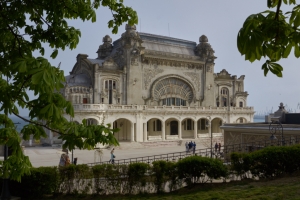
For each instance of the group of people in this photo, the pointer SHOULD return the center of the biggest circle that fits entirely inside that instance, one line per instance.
(218, 147)
(65, 159)
(190, 146)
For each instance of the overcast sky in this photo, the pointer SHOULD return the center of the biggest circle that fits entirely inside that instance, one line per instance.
(220, 21)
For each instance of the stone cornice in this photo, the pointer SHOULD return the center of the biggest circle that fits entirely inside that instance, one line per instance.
(172, 56)
(172, 62)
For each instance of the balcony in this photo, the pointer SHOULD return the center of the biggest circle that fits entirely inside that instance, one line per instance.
(134, 108)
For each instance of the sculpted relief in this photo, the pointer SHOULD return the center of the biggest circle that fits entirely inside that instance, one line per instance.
(195, 78)
(149, 74)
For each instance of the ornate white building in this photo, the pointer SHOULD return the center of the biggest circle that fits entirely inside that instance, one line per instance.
(155, 87)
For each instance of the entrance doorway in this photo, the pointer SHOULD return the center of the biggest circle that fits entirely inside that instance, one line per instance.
(173, 128)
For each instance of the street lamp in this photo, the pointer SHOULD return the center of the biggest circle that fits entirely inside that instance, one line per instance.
(275, 127)
(208, 125)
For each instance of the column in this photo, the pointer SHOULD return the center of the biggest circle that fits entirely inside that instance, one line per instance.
(163, 131)
(179, 130)
(195, 129)
(210, 134)
(145, 131)
(132, 132)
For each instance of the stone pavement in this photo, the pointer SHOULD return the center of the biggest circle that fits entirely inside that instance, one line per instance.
(49, 156)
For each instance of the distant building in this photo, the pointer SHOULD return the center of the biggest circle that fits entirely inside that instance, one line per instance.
(155, 87)
(279, 126)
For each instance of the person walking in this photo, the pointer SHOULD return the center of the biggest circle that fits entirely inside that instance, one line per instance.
(219, 147)
(112, 156)
(194, 148)
(187, 147)
(216, 147)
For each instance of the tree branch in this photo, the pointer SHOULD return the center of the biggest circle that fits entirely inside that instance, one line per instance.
(38, 124)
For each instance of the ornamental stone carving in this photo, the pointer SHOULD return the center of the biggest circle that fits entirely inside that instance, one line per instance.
(106, 48)
(195, 78)
(204, 50)
(119, 58)
(149, 74)
(171, 63)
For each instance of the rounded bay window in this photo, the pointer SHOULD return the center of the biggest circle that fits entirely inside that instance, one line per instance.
(173, 91)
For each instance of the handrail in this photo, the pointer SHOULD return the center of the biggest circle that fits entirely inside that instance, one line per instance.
(223, 154)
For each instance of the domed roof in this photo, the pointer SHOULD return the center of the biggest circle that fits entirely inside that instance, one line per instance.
(79, 80)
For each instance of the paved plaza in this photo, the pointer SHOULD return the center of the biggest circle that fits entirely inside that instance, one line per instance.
(49, 156)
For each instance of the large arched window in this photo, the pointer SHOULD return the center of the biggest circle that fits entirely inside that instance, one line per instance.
(110, 85)
(173, 91)
(224, 97)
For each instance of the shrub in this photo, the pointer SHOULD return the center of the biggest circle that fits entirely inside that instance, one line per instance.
(137, 177)
(268, 162)
(41, 181)
(160, 174)
(200, 169)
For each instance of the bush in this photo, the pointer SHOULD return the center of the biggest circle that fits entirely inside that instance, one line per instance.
(268, 162)
(160, 171)
(195, 169)
(41, 181)
(240, 164)
(108, 178)
(137, 177)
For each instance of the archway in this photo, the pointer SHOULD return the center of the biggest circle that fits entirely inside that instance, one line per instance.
(173, 128)
(202, 126)
(124, 126)
(215, 125)
(187, 128)
(241, 120)
(91, 121)
(154, 129)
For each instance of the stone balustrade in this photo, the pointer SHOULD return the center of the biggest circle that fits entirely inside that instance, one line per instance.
(154, 137)
(112, 107)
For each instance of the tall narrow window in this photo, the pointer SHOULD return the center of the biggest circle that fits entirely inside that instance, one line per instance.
(154, 125)
(110, 92)
(241, 104)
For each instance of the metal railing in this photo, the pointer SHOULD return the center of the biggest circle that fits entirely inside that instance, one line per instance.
(223, 153)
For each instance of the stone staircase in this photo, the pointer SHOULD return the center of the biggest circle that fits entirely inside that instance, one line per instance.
(153, 144)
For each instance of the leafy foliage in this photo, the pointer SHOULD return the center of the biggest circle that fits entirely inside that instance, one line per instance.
(268, 162)
(26, 26)
(272, 35)
(195, 169)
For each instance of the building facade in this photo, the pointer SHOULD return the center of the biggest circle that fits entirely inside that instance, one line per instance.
(155, 87)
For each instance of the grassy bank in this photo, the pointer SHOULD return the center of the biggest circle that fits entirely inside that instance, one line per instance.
(284, 188)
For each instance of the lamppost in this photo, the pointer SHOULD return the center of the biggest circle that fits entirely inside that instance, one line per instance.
(208, 125)
(275, 127)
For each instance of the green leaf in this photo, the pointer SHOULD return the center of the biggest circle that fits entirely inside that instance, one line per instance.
(287, 50)
(297, 51)
(54, 53)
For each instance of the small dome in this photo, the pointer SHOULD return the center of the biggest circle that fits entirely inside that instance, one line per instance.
(203, 38)
(107, 38)
(128, 27)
